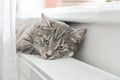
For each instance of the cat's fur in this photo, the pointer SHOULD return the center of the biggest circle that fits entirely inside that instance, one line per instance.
(48, 38)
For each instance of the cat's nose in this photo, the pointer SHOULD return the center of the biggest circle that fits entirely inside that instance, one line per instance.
(49, 53)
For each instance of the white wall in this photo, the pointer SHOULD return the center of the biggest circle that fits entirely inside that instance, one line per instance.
(101, 47)
(25, 8)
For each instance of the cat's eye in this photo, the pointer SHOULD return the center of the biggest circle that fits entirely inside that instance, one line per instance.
(60, 48)
(46, 41)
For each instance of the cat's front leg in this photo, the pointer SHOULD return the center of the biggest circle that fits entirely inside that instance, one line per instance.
(25, 47)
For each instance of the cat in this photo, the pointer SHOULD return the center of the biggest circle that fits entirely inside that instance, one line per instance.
(49, 38)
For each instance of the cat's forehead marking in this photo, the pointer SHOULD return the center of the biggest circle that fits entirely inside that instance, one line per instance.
(59, 32)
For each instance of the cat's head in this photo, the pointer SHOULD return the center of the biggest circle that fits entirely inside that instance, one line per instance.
(55, 39)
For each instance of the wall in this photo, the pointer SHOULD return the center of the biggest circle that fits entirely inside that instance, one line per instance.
(33, 6)
(101, 47)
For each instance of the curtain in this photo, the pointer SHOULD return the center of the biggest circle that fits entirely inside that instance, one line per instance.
(8, 69)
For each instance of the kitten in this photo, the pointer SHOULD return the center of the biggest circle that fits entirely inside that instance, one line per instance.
(48, 38)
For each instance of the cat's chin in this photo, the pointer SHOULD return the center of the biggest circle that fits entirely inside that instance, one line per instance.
(51, 58)
(48, 58)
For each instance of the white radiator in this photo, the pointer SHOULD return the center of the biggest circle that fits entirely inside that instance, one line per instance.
(34, 68)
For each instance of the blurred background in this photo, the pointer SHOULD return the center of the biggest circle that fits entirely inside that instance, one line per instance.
(25, 7)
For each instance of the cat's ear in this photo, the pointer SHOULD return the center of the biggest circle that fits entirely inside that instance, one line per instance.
(78, 35)
(45, 22)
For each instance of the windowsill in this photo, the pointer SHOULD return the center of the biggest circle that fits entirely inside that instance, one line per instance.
(65, 69)
(88, 13)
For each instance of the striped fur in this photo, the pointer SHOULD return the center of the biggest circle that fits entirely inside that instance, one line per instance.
(48, 38)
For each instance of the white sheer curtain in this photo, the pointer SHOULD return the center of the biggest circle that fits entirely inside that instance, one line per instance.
(8, 70)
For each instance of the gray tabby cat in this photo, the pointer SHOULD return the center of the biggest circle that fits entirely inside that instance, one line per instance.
(48, 38)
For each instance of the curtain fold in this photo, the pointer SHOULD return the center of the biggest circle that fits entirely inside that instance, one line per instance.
(1, 23)
(8, 69)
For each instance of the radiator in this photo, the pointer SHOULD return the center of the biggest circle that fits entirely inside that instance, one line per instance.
(32, 67)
